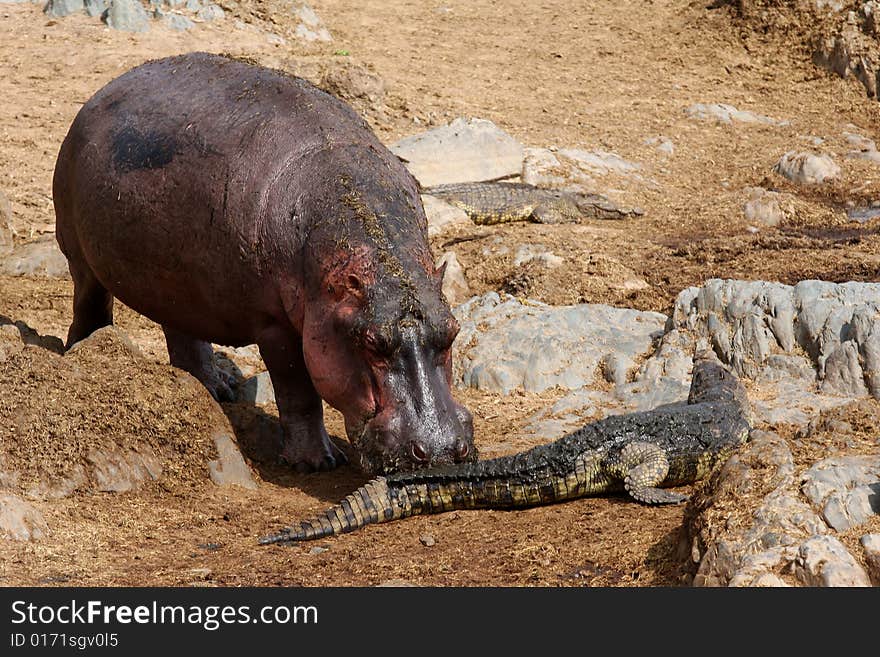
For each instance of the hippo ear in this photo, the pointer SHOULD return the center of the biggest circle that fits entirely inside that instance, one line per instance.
(440, 271)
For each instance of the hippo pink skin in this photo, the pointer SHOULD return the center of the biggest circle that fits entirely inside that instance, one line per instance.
(233, 204)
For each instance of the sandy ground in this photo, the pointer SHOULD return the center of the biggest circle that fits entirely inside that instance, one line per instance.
(605, 76)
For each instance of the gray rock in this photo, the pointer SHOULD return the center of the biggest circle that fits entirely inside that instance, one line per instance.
(574, 169)
(443, 216)
(95, 8)
(871, 545)
(126, 15)
(750, 551)
(846, 487)
(728, 114)
(257, 389)
(466, 150)
(505, 344)
(455, 286)
(662, 144)
(121, 471)
(427, 540)
(863, 214)
(765, 208)
(747, 322)
(210, 13)
(536, 253)
(61, 8)
(230, 468)
(177, 22)
(56, 488)
(42, 257)
(824, 561)
(807, 168)
(20, 520)
(193, 5)
(310, 27)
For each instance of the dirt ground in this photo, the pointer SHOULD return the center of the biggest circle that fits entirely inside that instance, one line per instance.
(606, 75)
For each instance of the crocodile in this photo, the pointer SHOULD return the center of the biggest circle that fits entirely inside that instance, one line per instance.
(642, 453)
(489, 203)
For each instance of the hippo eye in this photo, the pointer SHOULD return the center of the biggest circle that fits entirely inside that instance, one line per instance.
(377, 345)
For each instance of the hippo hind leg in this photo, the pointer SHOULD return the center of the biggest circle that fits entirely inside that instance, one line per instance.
(197, 357)
(305, 443)
(92, 303)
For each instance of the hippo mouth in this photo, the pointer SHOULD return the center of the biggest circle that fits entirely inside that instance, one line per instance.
(375, 458)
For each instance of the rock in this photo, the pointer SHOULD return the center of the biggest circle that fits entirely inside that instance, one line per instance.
(193, 5)
(597, 162)
(20, 520)
(824, 561)
(536, 253)
(95, 8)
(573, 169)
(541, 168)
(60, 487)
(863, 214)
(871, 12)
(177, 22)
(230, 468)
(505, 344)
(455, 285)
(353, 82)
(318, 550)
(844, 486)
(466, 150)
(807, 168)
(427, 540)
(748, 546)
(310, 27)
(61, 8)
(662, 144)
(210, 13)
(126, 15)
(257, 389)
(848, 53)
(871, 545)
(764, 207)
(728, 114)
(41, 257)
(119, 472)
(747, 321)
(443, 216)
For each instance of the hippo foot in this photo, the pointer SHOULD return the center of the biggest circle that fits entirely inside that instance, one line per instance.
(222, 386)
(325, 457)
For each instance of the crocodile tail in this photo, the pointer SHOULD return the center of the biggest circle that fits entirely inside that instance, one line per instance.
(371, 503)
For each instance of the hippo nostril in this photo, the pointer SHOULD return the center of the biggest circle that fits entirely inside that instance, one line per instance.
(419, 452)
(461, 450)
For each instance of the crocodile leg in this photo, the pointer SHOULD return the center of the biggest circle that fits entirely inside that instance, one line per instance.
(642, 466)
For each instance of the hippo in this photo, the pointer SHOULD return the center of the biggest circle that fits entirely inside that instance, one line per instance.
(235, 204)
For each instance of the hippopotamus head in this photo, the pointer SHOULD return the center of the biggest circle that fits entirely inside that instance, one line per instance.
(377, 339)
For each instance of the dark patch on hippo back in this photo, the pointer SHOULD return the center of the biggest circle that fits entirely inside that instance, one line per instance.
(133, 149)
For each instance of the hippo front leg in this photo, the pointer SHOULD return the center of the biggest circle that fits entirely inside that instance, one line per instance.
(305, 443)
